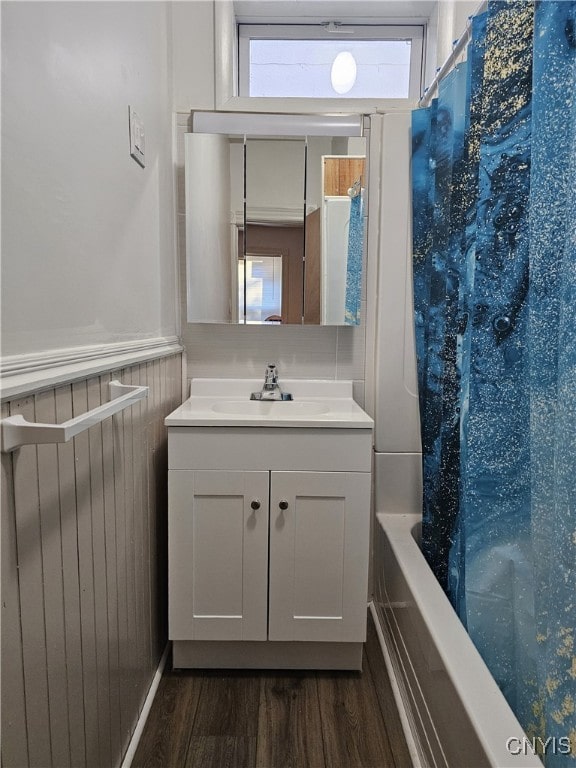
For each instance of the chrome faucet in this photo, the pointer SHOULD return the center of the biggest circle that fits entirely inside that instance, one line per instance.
(271, 390)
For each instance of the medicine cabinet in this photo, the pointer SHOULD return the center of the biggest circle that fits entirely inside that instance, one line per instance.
(275, 221)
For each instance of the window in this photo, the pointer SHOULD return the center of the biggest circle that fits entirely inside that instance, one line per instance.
(330, 61)
(260, 285)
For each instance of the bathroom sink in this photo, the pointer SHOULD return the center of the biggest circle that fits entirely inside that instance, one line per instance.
(276, 408)
(227, 403)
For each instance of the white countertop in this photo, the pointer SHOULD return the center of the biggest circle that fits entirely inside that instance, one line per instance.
(226, 403)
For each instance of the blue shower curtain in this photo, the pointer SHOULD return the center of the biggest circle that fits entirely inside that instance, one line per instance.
(494, 262)
(354, 261)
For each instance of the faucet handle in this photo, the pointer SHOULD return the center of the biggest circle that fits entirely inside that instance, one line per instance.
(271, 373)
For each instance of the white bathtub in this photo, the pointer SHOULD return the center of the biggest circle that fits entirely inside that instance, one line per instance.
(455, 713)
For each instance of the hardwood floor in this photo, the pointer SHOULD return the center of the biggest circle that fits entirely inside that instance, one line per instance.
(262, 719)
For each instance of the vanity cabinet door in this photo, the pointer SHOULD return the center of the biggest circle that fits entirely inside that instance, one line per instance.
(319, 544)
(218, 555)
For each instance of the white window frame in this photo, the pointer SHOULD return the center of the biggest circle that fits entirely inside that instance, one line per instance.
(414, 33)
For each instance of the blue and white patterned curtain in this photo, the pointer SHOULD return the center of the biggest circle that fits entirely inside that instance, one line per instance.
(494, 259)
(354, 261)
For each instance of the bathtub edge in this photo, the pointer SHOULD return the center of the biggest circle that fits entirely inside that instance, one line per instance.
(463, 674)
(395, 686)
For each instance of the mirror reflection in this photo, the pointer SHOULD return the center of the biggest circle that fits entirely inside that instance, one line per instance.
(273, 237)
(274, 229)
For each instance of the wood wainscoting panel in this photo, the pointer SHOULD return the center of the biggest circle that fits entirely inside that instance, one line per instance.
(70, 582)
(48, 492)
(14, 739)
(84, 572)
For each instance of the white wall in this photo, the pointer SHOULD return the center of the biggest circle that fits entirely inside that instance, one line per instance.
(193, 54)
(397, 460)
(452, 19)
(275, 173)
(87, 234)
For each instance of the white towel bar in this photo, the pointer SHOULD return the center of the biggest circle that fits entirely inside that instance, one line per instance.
(16, 431)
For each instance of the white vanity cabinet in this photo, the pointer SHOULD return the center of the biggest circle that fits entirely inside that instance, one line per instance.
(218, 555)
(318, 556)
(224, 527)
(268, 545)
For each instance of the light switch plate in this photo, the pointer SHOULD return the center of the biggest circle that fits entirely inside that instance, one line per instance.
(136, 127)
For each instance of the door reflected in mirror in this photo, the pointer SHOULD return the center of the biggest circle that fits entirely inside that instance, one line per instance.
(274, 229)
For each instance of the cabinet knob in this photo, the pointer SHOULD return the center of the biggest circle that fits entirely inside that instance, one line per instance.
(255, 504)
(283, 505)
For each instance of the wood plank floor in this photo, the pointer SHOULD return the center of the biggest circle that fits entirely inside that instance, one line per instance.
(263, 719)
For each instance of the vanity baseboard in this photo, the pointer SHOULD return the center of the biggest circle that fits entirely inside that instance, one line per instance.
(210, 654)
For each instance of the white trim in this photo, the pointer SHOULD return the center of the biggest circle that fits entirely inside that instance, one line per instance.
(137, 735)
(373, 250)
(25, 374)
(398, 699)
(274, 30)
(277, 125)
(294, 105)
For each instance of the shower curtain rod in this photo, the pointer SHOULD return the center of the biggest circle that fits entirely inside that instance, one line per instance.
(457, 49)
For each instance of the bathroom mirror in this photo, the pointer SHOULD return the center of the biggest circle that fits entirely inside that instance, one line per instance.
(272, 234)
